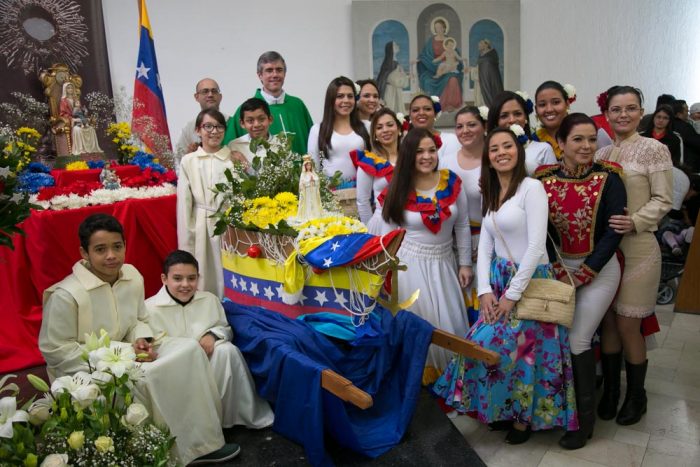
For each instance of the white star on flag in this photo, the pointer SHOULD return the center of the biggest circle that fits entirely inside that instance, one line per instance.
(254, 289)
(327, 262)
(269, 293)
(234, 283)
(142, 71)
(321, 297)
(335, 246)
(280, 290)
(244, 286)
(340, 299)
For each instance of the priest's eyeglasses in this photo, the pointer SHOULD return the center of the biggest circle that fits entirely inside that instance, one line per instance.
(212, 91)
(210, 127)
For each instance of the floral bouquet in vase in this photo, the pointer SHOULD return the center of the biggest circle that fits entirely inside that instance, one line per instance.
(89, 418)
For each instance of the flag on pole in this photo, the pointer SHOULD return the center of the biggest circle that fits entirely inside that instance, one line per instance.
(148, 114)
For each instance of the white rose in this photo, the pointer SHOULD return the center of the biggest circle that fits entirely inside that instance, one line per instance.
(135, 415)
(85, 395)
(570, 91)
(517, 130)
(55, 460)
(484, 112)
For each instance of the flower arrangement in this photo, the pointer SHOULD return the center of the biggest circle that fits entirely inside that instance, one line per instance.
(123, 139)
(265, 212)
(86, 419)
(277, 174)
(437, 107)
(101, 108)
(77, 165)
(82, 194)
(14, 205)
(602, 101)
(329, 227)
(26, 112)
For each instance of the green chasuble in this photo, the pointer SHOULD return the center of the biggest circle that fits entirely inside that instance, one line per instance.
(293, 112)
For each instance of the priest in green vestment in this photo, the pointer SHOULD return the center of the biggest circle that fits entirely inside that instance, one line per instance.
(289, 112)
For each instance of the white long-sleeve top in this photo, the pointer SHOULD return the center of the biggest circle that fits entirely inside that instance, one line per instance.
(450, 144)
(338, 158)
(470, 184)
(367, 185)
(538, 153)
(458, 222)
(522, 221)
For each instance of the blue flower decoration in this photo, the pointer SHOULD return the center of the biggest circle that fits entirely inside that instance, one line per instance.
(522, 139)
(96, 164)
(32, 182)
(37, 167)
(145, 160)
(529, 106)
(437, 107)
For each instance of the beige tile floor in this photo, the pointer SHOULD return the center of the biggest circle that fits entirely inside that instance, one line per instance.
(667, 436)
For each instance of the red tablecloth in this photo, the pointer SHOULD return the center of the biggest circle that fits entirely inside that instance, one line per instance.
(47, 254)
(66, 177)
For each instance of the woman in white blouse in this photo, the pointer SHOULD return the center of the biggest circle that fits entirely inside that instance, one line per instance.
(466, 163)
(375, 169)
(532, 386)
(509, 108)
(340, 131)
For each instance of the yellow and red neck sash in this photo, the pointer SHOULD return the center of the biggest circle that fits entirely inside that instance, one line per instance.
(435, 210)
(372, 164)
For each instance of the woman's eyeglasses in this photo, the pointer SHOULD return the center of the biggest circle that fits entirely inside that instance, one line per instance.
(210, 127)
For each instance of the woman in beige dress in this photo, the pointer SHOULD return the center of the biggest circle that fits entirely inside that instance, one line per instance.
(648, 179)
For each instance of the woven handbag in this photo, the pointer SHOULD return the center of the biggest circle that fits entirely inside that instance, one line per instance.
(548, 300)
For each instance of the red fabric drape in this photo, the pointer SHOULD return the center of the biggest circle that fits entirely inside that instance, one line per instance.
(67, 177)
(47, 254)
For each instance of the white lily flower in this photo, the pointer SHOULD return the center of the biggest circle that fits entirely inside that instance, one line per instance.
(118, 358)
(8, 415)
(55, 460)
(40, 411)
(80, 386)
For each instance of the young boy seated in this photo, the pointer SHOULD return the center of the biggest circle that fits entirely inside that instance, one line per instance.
(178, 389)
(180, 310)
(256, 119)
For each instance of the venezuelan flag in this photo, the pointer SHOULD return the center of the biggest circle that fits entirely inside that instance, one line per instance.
(149, 105)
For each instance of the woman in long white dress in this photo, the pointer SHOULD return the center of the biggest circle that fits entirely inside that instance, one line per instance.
(466, 163)
(376, 168)
(431, 205)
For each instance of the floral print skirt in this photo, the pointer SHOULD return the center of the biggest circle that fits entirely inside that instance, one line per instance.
(532, 384)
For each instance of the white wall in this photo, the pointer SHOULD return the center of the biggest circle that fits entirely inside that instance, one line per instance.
(591, 44)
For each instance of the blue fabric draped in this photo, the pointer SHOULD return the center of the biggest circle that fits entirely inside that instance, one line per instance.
(427, 69)
(286, 358)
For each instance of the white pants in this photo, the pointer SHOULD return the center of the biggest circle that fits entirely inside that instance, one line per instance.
(592, 301)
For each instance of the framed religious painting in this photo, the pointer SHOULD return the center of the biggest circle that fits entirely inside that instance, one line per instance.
(464, 52)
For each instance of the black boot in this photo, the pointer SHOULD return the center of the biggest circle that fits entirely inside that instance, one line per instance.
(635, 404)
(612, 365)
(584, 382)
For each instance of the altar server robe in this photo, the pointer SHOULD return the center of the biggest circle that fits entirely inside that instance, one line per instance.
(178, 389)
(204, 314)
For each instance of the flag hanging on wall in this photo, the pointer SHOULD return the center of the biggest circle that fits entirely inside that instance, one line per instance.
(148, 115)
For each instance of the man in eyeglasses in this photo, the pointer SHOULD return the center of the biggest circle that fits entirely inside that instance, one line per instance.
(208, 95)
(289, 113)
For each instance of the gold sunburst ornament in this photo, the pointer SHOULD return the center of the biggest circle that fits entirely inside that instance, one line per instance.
(36, 33)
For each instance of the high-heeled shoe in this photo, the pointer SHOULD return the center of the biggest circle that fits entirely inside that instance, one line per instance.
(516, 436)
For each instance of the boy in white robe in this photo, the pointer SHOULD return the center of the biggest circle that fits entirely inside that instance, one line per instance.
(256, 119)
(104, 293)
(179, 310)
